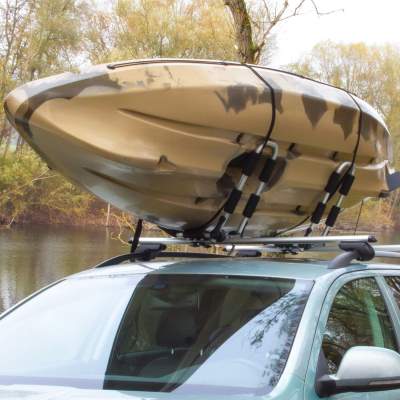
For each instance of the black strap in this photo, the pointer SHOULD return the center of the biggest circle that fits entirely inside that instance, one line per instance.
(273, 102)
(136, 236)
(358, 217)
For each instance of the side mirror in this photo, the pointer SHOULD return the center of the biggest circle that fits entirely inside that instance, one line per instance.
(363, 369)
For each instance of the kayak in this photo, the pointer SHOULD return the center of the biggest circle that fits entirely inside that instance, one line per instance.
(168, 140)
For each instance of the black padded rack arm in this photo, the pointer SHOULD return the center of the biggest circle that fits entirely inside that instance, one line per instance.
(344, 185)
(264, 177)
(331, 187)
(249, 167)
(236, 193)
(348, 179)
(344, 190)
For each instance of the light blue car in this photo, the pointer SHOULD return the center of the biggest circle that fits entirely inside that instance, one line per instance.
(234, 328)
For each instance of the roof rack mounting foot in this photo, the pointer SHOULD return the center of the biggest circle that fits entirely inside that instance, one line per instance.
(361, 251)
(147, 252)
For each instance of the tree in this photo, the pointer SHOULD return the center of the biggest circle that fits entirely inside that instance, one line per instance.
(255, 22)
(160, 28)
(38, 38)
(14, 16)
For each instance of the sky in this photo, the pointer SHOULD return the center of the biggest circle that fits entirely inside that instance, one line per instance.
(370, 21)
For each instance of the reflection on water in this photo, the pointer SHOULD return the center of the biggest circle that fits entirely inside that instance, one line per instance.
(32, 257)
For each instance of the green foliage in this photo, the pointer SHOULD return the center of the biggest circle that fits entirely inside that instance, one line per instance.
(37, 38)
(29, 191)
(160, 28)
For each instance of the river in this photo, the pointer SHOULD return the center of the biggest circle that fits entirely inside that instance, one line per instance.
(32, 257)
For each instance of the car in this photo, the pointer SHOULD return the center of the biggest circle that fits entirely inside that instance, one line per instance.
(209, 328)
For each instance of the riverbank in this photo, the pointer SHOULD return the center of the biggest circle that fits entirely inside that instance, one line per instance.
(120, 229)
(96, 214)
(374, 217)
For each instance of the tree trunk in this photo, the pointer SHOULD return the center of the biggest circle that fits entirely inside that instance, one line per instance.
(247, 50)
(3, 132)
(7, 145)
(20, 145)
(393, 207)
(108, 215)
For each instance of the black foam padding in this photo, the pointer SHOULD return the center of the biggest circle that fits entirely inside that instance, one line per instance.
(250, 163)
(393, 181)
(346, 185)
(332, 217)
(333, 183)
(251, 205)
(232, 201)
(217, 233)
(318, 213)
(267, 170)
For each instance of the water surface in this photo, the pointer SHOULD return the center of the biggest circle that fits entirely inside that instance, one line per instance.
(32, 257)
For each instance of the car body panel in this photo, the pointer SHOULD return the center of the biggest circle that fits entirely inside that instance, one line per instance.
(298, 378)
(292, 389)
(377, 271)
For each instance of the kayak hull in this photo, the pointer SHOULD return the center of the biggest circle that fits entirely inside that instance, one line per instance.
(165, 139)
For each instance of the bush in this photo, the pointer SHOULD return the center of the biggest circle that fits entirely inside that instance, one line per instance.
(30, 192)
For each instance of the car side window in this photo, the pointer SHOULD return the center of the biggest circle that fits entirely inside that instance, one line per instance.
(394, 284)
(358, 317)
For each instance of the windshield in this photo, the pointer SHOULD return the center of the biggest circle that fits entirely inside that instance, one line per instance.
(159, 332)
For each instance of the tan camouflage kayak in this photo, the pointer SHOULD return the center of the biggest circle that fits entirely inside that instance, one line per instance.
(169, 140)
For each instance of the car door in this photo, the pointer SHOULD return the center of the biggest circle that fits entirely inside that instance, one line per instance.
(355, 313)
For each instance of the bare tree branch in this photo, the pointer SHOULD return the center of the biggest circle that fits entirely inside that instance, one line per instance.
(254, 25)
(321, 13)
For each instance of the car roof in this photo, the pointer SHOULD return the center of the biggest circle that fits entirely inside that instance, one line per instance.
(283, 268)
